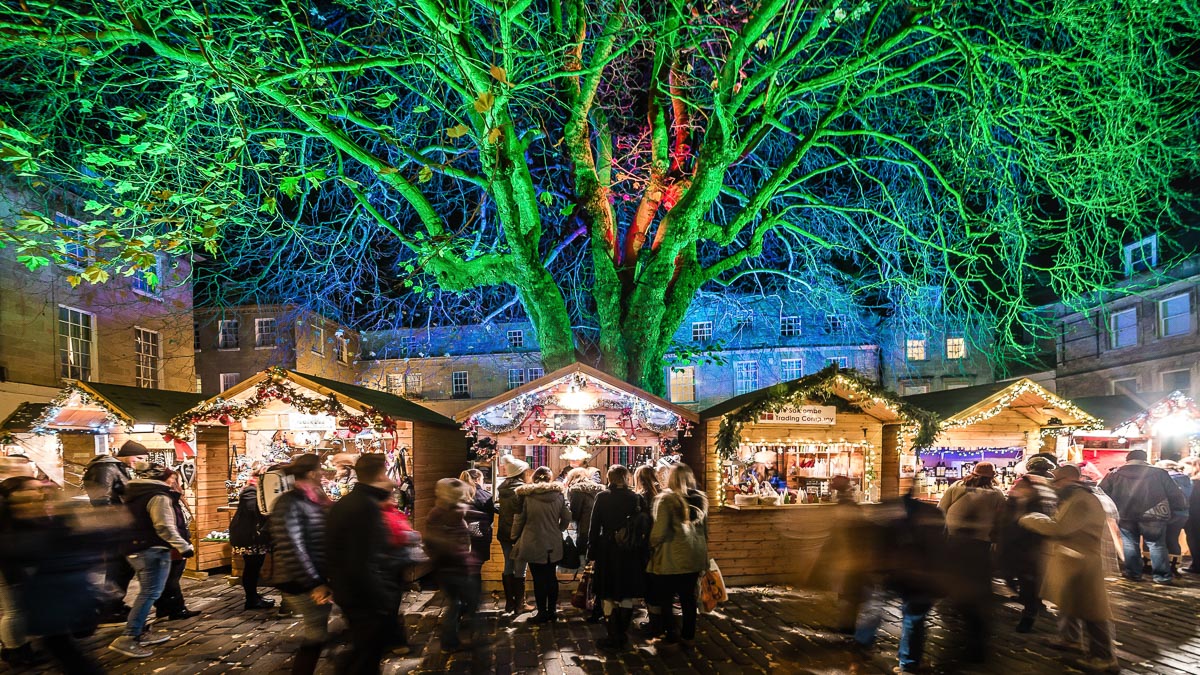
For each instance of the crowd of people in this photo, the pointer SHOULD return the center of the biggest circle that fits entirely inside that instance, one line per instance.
(642, 540)
(1051, 537)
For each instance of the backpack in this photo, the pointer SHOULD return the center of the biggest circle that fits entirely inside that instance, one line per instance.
(270, 485)
(634, 534)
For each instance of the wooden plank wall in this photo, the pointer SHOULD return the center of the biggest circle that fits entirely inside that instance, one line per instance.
(769, 545)
(438, 452)
(212, 469)
(889, 475)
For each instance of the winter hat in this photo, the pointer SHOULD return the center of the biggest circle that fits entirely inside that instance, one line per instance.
(132, 449)
(152, 471)
(984, 469)
(511, 466)
(451, 491)
(1040, 465)
(302, 464)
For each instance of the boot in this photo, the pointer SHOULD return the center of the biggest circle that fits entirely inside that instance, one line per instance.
(519, 594)
(612, 641)
(653, 626)
(510, 596)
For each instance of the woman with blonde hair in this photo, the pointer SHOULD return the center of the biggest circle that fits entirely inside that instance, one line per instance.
(646, 483)
(480, 515)
(679, 549)
(538, 530)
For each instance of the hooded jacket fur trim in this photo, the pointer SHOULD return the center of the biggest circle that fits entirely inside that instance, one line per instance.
(538, 488)
(586, 486)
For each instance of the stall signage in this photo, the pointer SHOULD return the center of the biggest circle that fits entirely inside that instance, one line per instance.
(304, 422)
(579, 422)
(801, 414)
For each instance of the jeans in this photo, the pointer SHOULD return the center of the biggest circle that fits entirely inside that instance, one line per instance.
(1099, 635)
(1160, 562)
(545, 587)
(913, 614)
(512, 567)
(152, 565)
(683, 585)
(171, 601)
(462, 596)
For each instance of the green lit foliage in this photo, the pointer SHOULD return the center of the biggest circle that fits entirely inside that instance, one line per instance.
(603, 161)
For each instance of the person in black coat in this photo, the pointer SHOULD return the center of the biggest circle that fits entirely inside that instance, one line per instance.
(104, 481)
(481, 515)
(365, 540)
(620, 569)
(250, 537)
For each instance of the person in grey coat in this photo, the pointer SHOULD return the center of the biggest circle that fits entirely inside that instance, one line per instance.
(538, 529)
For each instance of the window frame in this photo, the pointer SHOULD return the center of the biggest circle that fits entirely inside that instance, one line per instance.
(786, 327)
(1113, 332)
(237, 335)
(454, 384)
(906, 386)
(1140, 244)
(962, 351)
(1115, 390)
(1162, 378)
(676, 384)
(702, 331)
(843, 362)
(835, 323)
(738, 388)
(92, 372)
(317, 333)
(69, 223)
(221, 381)
(343, 344)
(155, 292)
(515, 338)
(196, 336)
(1186, 315)
(783, 369)
(258, 332)
(534, 373)
(910, 347)
(387, 383)
(156, 381)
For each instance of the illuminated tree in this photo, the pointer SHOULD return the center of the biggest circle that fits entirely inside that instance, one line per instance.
(599, 162)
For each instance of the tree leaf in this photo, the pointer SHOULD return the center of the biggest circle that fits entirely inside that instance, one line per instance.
(33, 262)
(386, 99)
(485, 102)
(494, 135)
(224, 98)
(499, 74)
(421, 109)
(546, 198)
(95, 274)
(425, 175)
(457, 131)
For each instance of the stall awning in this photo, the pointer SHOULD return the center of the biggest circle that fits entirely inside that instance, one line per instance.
(23, 419)
(971, 405)
(1115, 410)
(1176, 414)
(93, 405)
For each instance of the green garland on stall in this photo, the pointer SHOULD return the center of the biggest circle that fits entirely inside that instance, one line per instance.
(819, 387)
(41, 426)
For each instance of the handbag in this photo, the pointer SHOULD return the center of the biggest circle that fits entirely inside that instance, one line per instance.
(634, 534)
(1153, 521)
(710, 589)
(583, 598)
(571, 559)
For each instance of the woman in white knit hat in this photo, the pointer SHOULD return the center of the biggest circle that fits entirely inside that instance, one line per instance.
(516, 473)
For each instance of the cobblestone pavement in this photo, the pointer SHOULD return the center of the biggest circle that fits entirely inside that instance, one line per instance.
(761, 629)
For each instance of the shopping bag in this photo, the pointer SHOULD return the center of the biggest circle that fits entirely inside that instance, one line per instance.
(710, 589)
(583, 598)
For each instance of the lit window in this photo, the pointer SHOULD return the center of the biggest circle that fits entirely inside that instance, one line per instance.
(914, 349)
(1125, 386)
(199, 386)
(318, 339)
(460, 386)
(683, 384)
(792, 369)
(146, 351)
(395, 384)
(835, 323)
(745, 376)
(913, 388)
(227, 334)
(535, 373)
(76, 343)
(789, 326)
(701, 331)
(264, 333)
(1177, 380)
(228, 380)
(196, 335)
(516, 339)
(842, 362)
(956, 347)
(1122, 328)
(1141, 255)
(341, 349)
(516, 377)
(75, 242)
(1175, 316)
(414, 384)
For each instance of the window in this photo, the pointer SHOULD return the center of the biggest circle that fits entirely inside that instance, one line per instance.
(341, 349)
(146, 351)
(264, 333)
(683, 384)
(199, 386)
(835, 323)
(395, 384)
(1177, 380)
(460, 386)
(516, 377)
(227, 334)
(914, 388)
(318, 338)
(956, 348)
(839, 361)
(743, 322)
(701, 331)
(745, 376)
(535, 373)
(791, 369)
(229, 379)
(414, 384)
(407, 343)
(1175, 316)
(789, 326)
(914, 349)
(196, 335)
(1141, 255)
(71, 231)
(956, 382)
(516, 339)
(1122, 328)
(149, 282)
(76, 343)
(1125, 386)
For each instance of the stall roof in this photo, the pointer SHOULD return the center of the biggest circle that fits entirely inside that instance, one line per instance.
(24, 418)
(968, 405)
(1115, 410)
(114, 402)
(840, 383)
(561, 374)
(389, 404)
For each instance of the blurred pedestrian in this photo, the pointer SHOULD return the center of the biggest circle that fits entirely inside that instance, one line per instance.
(297, 522)
(516, 472)
(538, 531)
(171, 605)
(104, 481)
(1075, 575)
(156, 517)
(618, 541)
(972, 507)
(480, 514)
(20, 519)
(1145, 496)
(647, 485)
(1191, 467)
(455, 568)
(679, 549)
(1019, 550)
(1179, 516)
(250, 537)
(582, 487)
(366, 539)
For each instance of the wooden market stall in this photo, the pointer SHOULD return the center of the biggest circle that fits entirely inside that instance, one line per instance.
(17, 438)
(278, 413)
(1149, 422)
(1002, 423)
(574, 412)
(87, 419)
(834, 423)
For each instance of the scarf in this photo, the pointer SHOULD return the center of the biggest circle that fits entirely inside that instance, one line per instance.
(396, 525)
